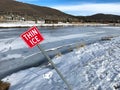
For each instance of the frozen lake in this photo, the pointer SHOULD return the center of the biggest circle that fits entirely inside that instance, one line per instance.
(15, 54)
(55, 36)
(59, 35)
(60, 31)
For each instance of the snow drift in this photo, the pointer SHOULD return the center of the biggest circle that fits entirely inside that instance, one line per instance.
(93, 67)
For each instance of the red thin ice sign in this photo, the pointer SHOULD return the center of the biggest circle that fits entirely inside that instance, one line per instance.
(32, 37)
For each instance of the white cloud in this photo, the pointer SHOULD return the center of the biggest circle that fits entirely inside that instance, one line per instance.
(87, 9)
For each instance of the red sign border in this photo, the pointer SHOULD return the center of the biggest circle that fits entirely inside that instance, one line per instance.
(27, 31)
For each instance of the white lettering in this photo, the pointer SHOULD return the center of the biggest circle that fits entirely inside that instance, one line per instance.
(34, 32)
(37, 38)
(29, 35)
(25, 36)
(31, 42)
(34, 40)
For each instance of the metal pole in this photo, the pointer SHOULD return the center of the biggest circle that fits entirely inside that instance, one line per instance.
(59, 73)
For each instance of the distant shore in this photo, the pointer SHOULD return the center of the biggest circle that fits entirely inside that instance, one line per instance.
(29, 24)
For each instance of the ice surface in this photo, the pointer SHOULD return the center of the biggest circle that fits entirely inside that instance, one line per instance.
(92, 67)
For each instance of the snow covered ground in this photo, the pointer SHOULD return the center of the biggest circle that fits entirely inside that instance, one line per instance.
(92, 67)
(14, 54)
(32, 23)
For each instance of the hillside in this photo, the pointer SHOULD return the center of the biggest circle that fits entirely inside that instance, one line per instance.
(10, 9)
(13, 10)
(102, 18)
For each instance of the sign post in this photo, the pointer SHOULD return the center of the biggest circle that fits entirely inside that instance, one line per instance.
(33, 37)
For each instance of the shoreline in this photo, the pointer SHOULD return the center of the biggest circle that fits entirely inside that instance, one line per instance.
(24, 24)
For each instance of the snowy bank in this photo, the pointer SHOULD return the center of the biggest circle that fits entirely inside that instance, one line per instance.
(32, 23)
(93, 67)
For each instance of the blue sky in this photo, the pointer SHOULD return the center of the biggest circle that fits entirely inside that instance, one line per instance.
(80, 7)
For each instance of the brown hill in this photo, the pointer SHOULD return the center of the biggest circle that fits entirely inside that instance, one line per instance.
(15, 9)
(102, 18)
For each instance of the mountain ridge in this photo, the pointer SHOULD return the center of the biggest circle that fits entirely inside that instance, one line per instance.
(32, 11)
(15, 10)
(101, 18)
